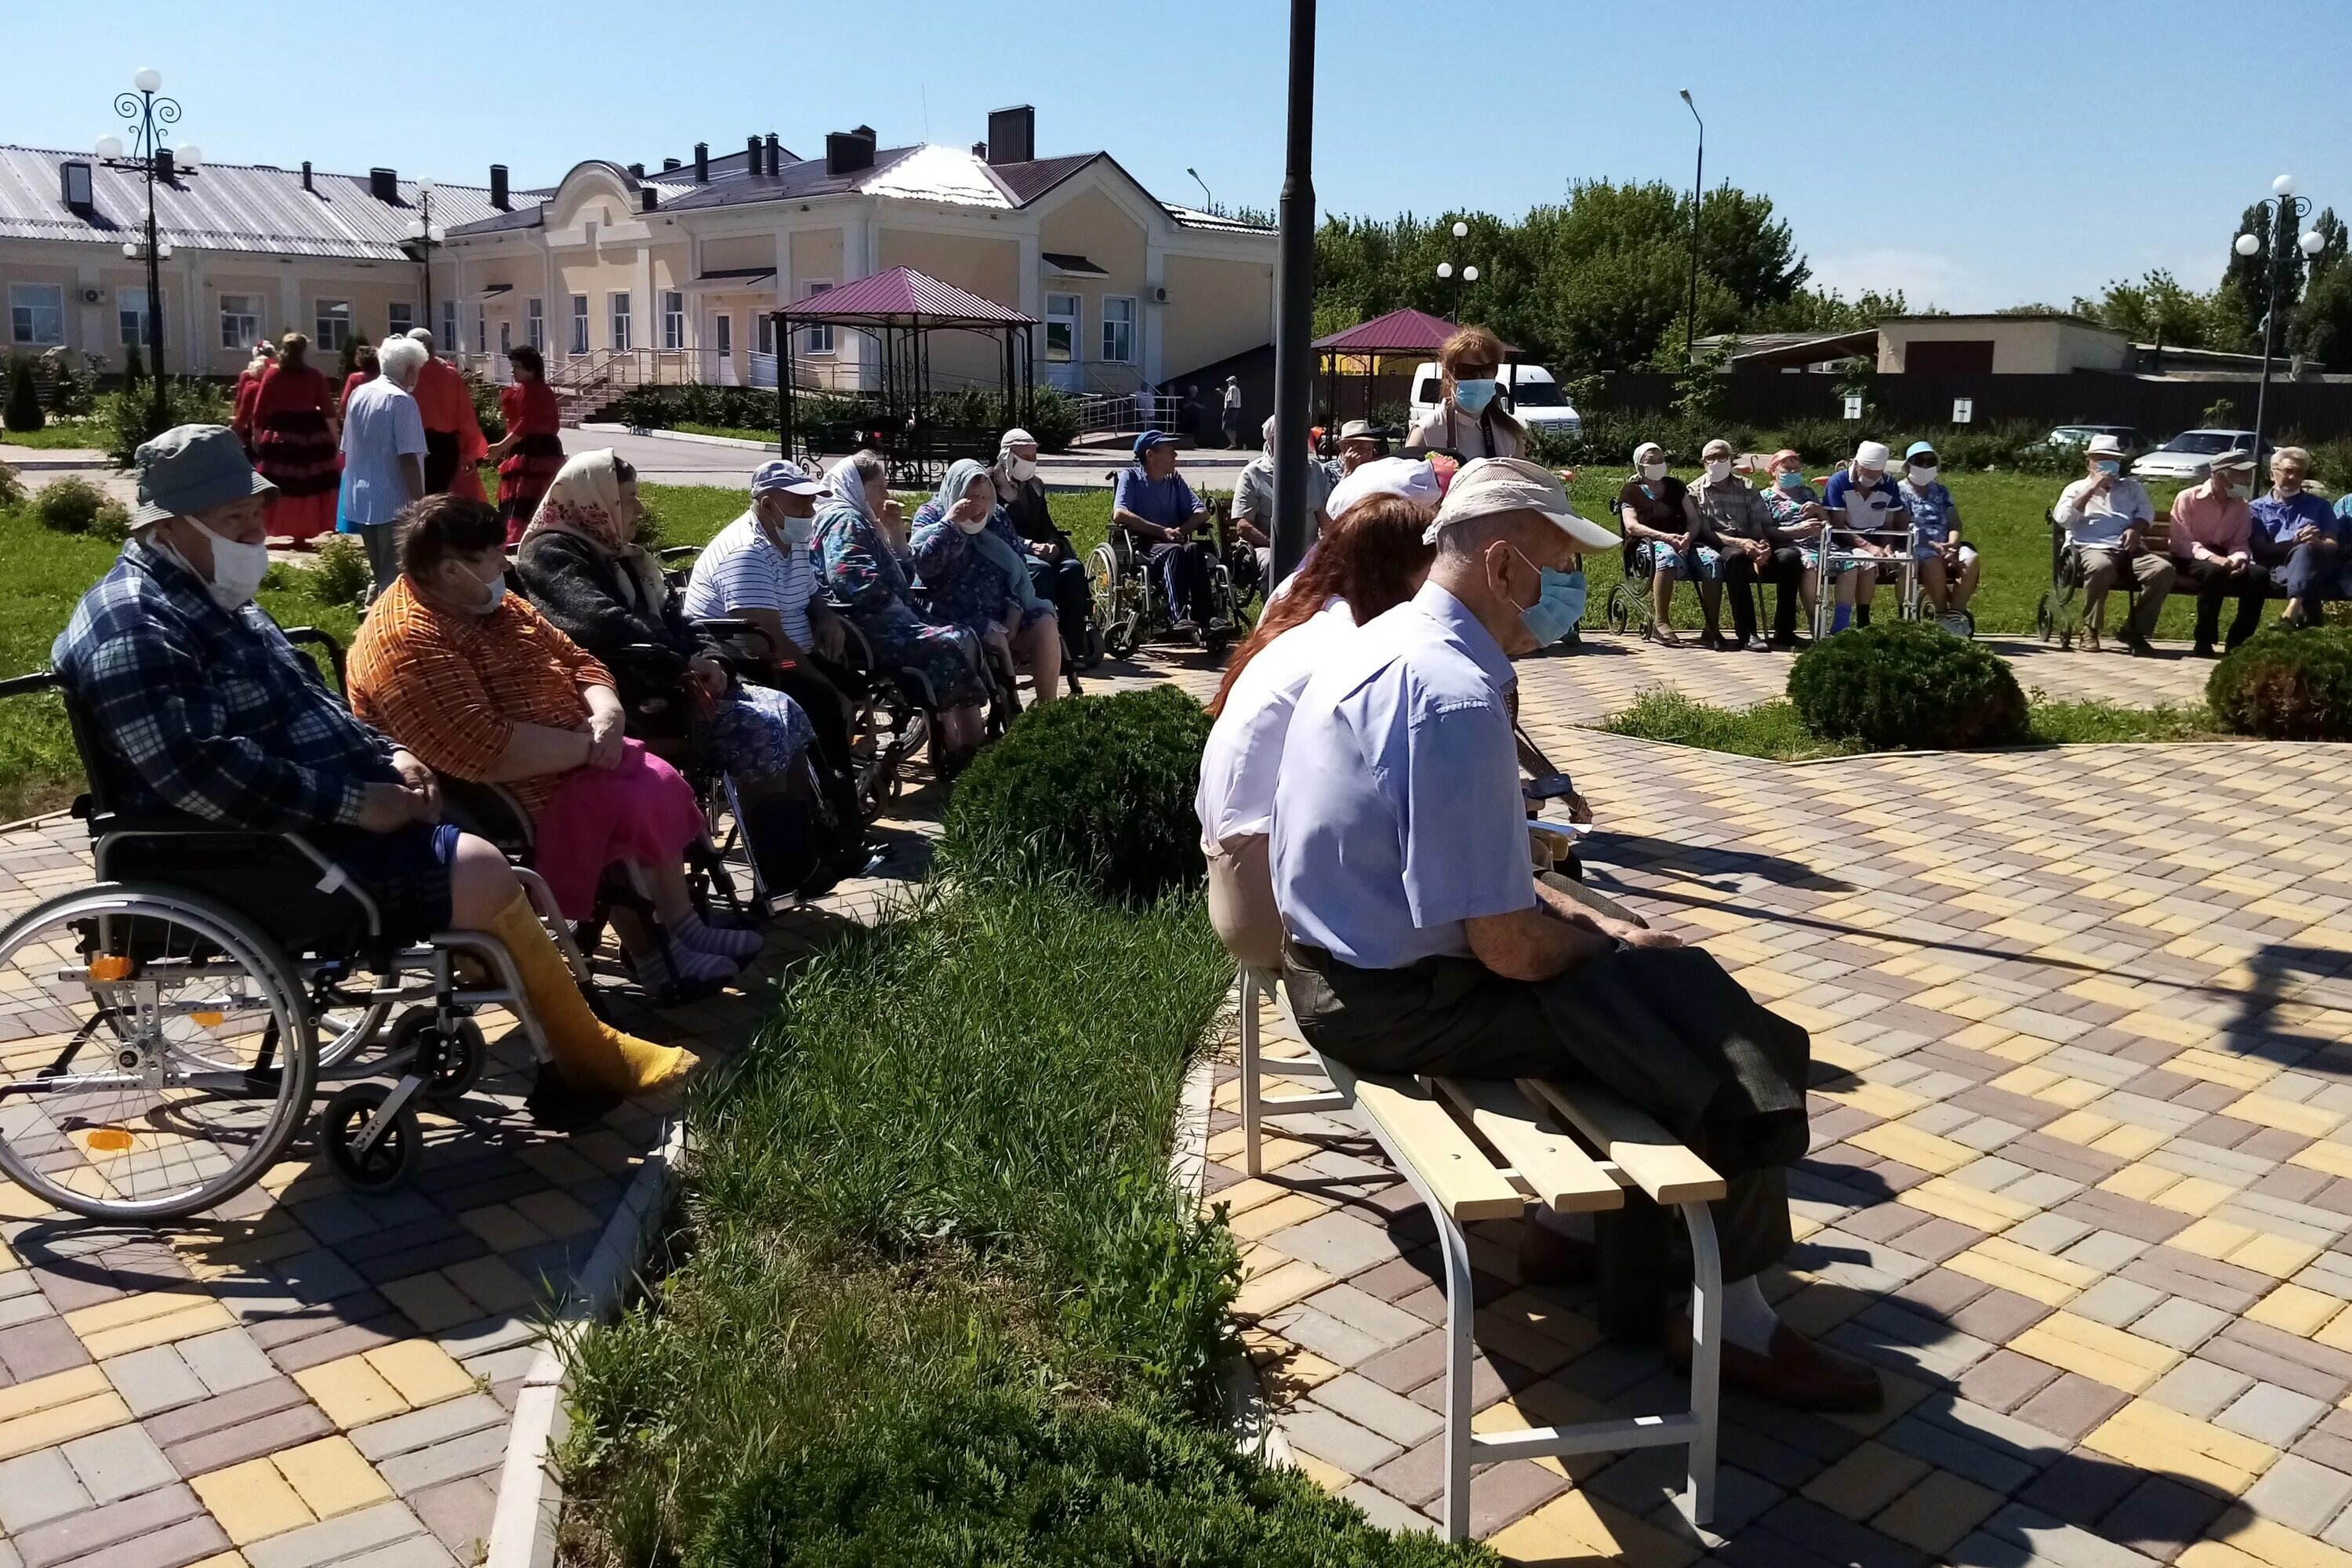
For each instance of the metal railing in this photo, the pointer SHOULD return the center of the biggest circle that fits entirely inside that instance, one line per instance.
(1101, 414)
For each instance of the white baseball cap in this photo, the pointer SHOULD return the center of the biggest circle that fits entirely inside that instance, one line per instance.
(1491, 486)
(1411, 478)
(1872, 455)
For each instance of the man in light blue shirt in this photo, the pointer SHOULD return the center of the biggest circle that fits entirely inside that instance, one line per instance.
(383, 455)
(1419, 941)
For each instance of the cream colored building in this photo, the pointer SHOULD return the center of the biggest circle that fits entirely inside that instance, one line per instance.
(2038, 344)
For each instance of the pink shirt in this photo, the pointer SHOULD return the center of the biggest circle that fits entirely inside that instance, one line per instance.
(2221, 523)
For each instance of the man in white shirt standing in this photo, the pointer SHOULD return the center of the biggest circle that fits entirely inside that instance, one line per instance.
(383, 455)
(1233, 412)
(2106, 515)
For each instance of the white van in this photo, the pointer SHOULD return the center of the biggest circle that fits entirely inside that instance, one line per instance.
(1534, 398)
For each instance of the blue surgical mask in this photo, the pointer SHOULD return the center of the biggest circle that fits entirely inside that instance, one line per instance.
(1558, 606)
(2109, 466)
(1791, 480)
(1474, 396)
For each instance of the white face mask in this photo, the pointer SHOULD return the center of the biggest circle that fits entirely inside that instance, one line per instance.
(490, 596)
(972, 524)
(1653, 472)
(1718, 469)
(1022, 470)
(238, 569)
(1923, 474)
(798, 530)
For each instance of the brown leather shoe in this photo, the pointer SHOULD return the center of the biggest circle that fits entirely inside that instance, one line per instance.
(1797, 1373)
(1549, 1257)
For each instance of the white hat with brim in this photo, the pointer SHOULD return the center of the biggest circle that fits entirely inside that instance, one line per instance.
(1493, 486)
(190, 468)
(2104, 447)
(1411, 478)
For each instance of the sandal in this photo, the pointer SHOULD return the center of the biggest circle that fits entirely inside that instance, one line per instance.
(1665, 636)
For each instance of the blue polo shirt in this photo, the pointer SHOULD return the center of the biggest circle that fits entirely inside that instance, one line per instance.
(2277, 521)
(1169, 502)
(1864, 511)
(1397, 813)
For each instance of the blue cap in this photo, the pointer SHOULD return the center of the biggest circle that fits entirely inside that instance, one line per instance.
(776, 474)
(1149, 439)
(1918, 447)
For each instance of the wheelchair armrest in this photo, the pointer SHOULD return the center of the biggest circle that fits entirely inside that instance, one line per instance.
(162, 822)
(647, 658)
(27, 685)
(317, 638)
(678, 552)
(724, 628)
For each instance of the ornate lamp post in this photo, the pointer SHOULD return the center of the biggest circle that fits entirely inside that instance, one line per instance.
(146, 116)
(427, 236)
(2292, 209)
(1469, 274)
(1698, 193)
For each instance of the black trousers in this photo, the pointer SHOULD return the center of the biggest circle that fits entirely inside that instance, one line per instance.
(440, 461)
(1665, 1027)
(1062, 582)
(1784, 568)
(2215, 582)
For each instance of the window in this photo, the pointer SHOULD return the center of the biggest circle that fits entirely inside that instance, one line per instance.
(820, 339)
(767, 337)
(673, 312)
(481, 331)
(580, 323)
(449, 342)
(1118, 330)
(240, 321)
(36, 313)
(724, 326)
(130, 315)
(534, 324)
(619, 311)
(505, 339)
(401, 318)
(1061, 327)
(334, 323)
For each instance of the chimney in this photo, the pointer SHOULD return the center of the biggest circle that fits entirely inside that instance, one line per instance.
(499, 197)
(306, 176)
(164, 170)
(637, 170)
(1012, 134)
(383, 184)
(648, 198)
(74, 187)
(848, 152)
(751, 156)
(670, 163)
(775, 154)
(702, 162)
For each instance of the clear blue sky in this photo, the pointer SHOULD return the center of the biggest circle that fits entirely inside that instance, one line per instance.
(1975, 155)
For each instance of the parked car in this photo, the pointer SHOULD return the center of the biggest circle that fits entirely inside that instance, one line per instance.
(1533, 396)
(2185, 456)
(2079, 436)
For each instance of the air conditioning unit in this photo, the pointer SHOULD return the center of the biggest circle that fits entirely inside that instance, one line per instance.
(1160, 294)
(90, 296)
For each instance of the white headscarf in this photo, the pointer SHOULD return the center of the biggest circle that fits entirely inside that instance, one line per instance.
(1411, 478)
(846, 487)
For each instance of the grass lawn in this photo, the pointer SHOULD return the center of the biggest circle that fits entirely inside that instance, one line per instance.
(1773, 730)
(54, 435)
(732, 432)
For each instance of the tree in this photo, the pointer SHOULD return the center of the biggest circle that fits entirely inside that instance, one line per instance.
(2155, 309)
(23, 413)
(2323, 323)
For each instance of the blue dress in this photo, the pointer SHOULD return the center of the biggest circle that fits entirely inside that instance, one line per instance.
(871, 582)
(965, 587)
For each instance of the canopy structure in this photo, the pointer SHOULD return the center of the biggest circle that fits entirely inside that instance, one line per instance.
(1407, 334)
(898, 311)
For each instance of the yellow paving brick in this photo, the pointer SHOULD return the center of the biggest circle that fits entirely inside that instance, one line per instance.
(351, 1392)
(55, 1424)
(422, 1371)
(2053, 1281)
(136, 1308)
(2017, 1047)
(1877, 1099)
(1836, 1053)
(47, 1393)
(2149, 1436)
(330, 1475)
(2081, 1126)
(2111, 1356)
(557, 1214)
(1271, 1292)
(224, 1560)
(2234, 1072)
(2179, 1031)
(2214, 1238)
(2141, 1182)
(1248, 1193)
(251, 1501)
(2268, 1542)
(1291, 1208)
(1937, 1156)
(503, 1228)
(2194, 1195)
(2335, 1159)
(2216, 1554)
(431, 1302)
(1330, 1477)
(2131, 1142)
(1866, 1480)
(2298, 1311)
(2276, 1255)
(2267, 1110)
(191, 1320)
(1952, 1200)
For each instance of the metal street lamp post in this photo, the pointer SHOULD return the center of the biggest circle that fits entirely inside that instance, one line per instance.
(2291, 208)
(1294, 355)
(147, 115)
(1698, 189)
(1209, 201)
(427, 236)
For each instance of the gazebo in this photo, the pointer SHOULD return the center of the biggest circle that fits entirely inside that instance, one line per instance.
(1407, 334)
(898, 311)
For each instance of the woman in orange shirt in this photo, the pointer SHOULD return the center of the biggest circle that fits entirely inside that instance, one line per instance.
(295, 426)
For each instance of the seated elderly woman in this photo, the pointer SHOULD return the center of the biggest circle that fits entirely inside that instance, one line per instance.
(972, 567)
(481, 687)
(866, 569)
(201, 705)
(582, 565)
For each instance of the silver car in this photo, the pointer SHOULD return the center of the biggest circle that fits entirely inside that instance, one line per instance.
(2185, 456)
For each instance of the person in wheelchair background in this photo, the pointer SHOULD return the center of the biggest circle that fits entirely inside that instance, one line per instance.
(973, 569)
(480, 685)
(1055, 569)
(201, 706)
(867, 572)
(1251, 563)
(584, 571)
(1157, 510)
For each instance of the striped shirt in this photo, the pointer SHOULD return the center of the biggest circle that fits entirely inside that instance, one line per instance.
(741, 569)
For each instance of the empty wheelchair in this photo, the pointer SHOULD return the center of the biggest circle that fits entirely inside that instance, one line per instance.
(165, 1031)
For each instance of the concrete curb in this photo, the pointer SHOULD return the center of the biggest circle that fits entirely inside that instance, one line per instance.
(647, 431)
(530, 1499)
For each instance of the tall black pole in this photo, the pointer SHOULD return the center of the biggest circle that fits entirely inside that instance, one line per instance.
(1698, 188)
(2281, 233)
(159, 420)
(1294, 366)
(424, 250)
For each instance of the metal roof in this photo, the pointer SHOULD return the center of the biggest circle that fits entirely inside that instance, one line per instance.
(248, 207)
(1403, 331)
(903, 291)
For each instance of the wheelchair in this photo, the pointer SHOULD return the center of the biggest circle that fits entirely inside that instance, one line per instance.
(165, 1032)
(1132, 610)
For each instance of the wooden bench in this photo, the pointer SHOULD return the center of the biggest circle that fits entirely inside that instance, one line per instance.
(1573, 1148)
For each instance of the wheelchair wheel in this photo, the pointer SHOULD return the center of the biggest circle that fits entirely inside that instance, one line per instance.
(392, 1150)
(344, 1018)
(1620, 609)
(2045, 619)
(456, 1055)
(156, 1052)
(1114, 610)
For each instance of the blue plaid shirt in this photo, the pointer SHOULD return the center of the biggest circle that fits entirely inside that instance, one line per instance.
(208, 713)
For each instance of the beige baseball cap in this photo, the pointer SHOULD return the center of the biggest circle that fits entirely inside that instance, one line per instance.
(1491, 486)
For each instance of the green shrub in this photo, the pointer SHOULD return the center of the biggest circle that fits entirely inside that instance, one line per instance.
(488, 414)
(1100, 785)
(134, 367)
(2286, 684)
(23, 412)
(343, 575)
(127, 419)
(1907, 684)
(74, 505)
(12, 489)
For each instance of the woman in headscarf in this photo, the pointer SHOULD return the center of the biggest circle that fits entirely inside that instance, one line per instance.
(295, 426)
(858, 552)
(1055, 569)
(584, 571)
(531, 451)
(976, 576)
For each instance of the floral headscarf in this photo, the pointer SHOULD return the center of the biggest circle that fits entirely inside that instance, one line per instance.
(584, 500)
(960, 474)
(846, 487)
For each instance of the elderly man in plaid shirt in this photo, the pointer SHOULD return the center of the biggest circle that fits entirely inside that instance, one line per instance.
(202, 706)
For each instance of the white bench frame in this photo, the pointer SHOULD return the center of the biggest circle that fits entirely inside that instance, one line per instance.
(1631, 1151)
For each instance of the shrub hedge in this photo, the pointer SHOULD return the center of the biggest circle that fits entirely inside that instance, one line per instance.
(1907, 683)
(22, 410)
(74, 505)
(1102, 786)
(2286, 684)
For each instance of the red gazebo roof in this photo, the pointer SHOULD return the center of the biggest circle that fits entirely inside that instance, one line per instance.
(1405, 331)
(903, 291)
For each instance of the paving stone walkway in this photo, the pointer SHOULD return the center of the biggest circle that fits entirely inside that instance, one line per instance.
(2081, 1178)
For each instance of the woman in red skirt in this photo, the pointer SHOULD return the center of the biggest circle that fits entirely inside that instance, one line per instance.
(532, 448)
(294, 444)
(365, 359)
